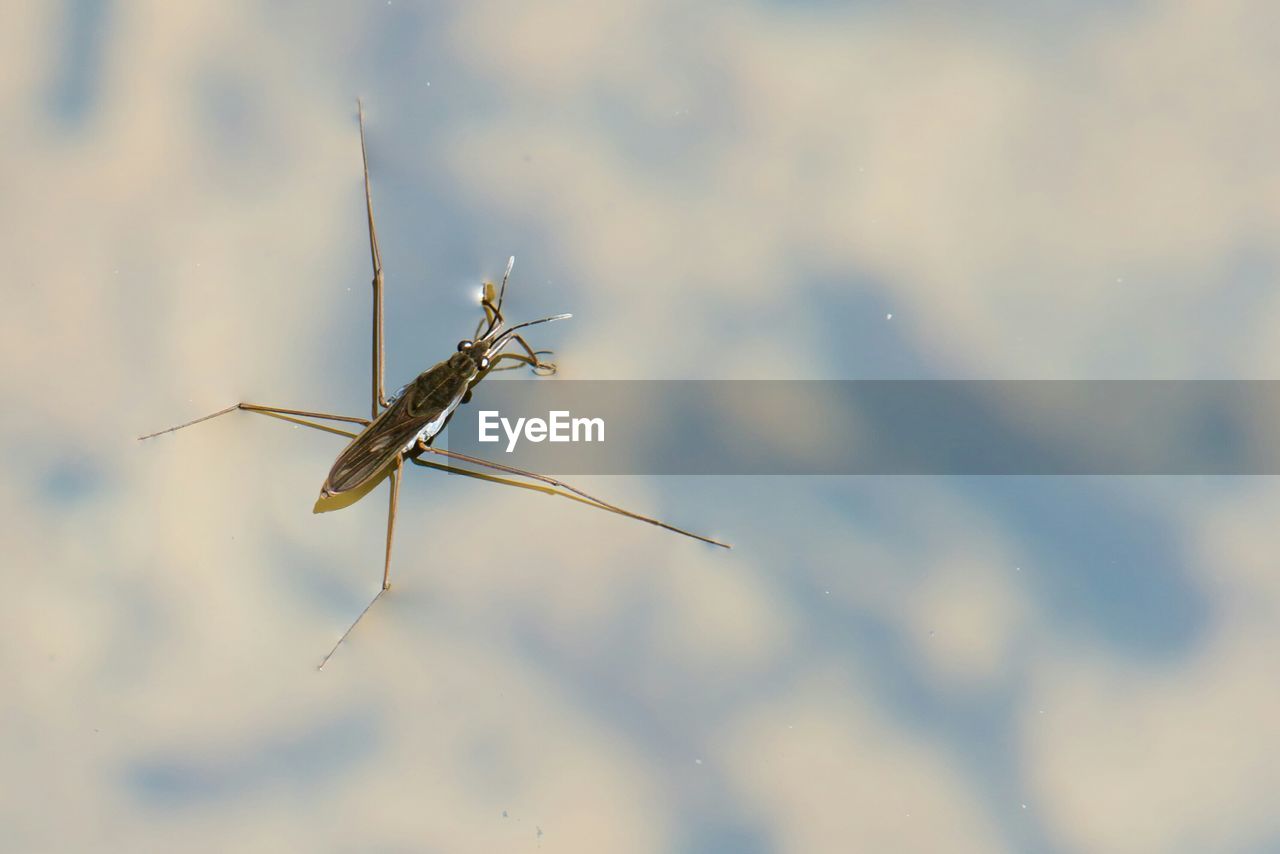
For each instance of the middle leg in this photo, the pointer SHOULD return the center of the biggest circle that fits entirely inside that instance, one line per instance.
(379, 355)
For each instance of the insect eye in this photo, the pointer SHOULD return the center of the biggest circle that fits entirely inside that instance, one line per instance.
(465, 345)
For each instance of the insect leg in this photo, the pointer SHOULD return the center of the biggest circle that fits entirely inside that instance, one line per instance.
(379, 357)
(391, 519)
(422, 446)
(386, 570)
(304, 423)
(541, 368)
(514, 357)
(479, 326)
(329, 655)
(268, 410)
(492, 313)
(493, 478)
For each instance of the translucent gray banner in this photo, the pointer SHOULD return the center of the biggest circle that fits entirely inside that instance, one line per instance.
(876, 427)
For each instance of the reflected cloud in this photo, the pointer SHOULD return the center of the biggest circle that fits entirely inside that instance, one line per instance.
(721, 191)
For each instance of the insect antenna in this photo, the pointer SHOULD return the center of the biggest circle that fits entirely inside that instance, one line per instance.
(504, 336)
(496, 322)
(502, 289)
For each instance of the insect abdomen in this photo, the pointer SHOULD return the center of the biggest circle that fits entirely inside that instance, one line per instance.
(420, 410)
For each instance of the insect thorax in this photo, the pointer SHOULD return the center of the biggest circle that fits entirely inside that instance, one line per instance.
(463, 363)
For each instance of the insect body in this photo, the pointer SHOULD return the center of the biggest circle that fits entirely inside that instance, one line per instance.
(416, 414)
(401, 427)
(418, 411)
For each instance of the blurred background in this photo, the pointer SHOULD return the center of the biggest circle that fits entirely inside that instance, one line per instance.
(720, 190)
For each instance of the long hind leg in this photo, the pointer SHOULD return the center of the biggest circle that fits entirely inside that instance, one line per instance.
(551, 481)
(391, 519)
(396, 472)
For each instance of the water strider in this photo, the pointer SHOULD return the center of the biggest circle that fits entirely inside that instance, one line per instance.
(402, 427)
